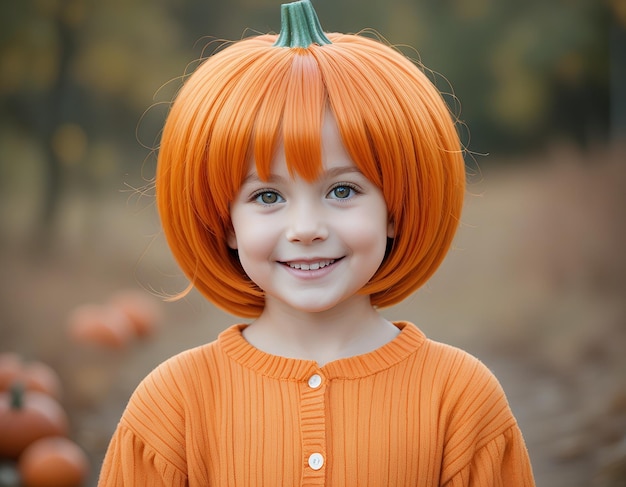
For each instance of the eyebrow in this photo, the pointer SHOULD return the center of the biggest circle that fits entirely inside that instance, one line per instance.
(330, 173)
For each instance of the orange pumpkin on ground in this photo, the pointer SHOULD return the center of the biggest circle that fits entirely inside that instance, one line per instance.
(142, 310)
(53, 462)
(26, 416)
(36, 376)
(101, 326)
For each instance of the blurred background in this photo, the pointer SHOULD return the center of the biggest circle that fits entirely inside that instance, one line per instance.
(535, 285)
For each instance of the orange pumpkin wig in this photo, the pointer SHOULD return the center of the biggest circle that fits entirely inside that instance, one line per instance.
(244, 100)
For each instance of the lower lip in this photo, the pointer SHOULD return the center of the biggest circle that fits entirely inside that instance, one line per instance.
(312, 274)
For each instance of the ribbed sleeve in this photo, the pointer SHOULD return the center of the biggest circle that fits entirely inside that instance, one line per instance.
(412, 413)
(483, 443)
(130, 461)
(501, 462)
(148, 447)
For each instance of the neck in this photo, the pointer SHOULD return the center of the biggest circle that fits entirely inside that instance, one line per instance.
(350, 329)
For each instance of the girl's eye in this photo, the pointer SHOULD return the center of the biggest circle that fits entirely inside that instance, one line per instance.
(342, 192)
(268, 198)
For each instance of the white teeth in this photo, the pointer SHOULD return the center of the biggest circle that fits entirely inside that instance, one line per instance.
(311, 267)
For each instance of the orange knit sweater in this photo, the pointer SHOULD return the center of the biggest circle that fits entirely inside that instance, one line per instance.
(411, 413)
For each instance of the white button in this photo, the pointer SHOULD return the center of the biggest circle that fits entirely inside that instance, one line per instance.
(316, 461)
(315, 381)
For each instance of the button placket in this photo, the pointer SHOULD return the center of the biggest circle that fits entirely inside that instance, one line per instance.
(313, 428)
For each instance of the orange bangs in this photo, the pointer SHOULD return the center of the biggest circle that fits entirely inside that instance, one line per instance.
(244, 100)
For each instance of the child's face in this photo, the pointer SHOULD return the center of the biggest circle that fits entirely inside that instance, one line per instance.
(311, 246)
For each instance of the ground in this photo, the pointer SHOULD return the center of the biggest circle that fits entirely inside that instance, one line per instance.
(534, 287)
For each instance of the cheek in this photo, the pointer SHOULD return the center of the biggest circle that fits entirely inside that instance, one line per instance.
(368, 234)
(254, 244)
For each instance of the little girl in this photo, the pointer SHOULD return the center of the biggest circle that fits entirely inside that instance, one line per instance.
(304, 181)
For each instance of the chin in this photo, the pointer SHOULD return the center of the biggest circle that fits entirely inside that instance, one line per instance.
(319, 307)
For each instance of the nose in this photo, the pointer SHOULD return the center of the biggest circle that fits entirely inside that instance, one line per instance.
(306, 223)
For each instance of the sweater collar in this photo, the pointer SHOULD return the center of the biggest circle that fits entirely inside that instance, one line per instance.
(232, 342)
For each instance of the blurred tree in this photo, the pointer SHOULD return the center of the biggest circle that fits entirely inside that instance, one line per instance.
(37, 46)
(523, 72)
(618, 70)
(76, 75)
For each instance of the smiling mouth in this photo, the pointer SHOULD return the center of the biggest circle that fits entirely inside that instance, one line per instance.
(310, 266)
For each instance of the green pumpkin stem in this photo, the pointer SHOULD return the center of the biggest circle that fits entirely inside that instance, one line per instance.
(17, 395)
(300, 26)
